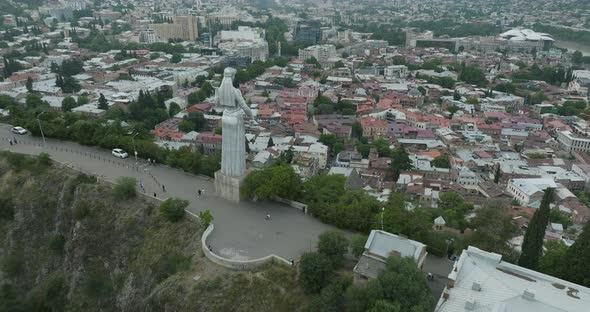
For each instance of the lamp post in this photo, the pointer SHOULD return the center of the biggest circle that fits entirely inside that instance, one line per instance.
(382, 212)
(41, 128)
(134, 150)
(449, 242)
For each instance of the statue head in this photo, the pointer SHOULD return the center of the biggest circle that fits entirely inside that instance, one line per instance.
(225, 92)
(229, 72)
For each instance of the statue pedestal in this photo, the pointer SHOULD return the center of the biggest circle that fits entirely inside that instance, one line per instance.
(228, 187)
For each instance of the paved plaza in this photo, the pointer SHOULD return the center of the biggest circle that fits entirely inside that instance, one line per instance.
(241, 231)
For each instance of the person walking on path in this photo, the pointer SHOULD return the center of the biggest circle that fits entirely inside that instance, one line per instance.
(14, 139)
(202, 191)
(155, 194)
(163, 188)
(10, 141)
(199, 192)
(141, 186)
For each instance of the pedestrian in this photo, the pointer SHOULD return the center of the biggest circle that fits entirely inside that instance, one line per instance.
(14, 139)
(209, 246)
(430, 276)
(292, 262)
(203, 192)
(155, 194)
(149, 161)
(268, 216)
(199, 191)
(163, 188)
(10, 141)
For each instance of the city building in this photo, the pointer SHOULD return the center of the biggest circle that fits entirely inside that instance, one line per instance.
(183, 27)
(244, 42)
(570, 142)
(529, 191)
(324, 54)
(308, 32)
(481, 281)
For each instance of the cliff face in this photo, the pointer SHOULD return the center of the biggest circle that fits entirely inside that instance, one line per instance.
(66, 244)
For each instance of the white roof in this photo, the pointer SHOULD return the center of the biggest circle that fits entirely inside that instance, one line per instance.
(381, 243)
(503, 285)
(520, 34)
(531, 186)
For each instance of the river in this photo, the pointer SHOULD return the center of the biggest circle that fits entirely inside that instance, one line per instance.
(570, 45)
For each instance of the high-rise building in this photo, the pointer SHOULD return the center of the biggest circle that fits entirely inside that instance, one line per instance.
(246, 41)
(182, 27)
(308, 32)
(324, 54)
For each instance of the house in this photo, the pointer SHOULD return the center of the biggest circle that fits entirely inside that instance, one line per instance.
(481, 281)
(381, 245)
(529, 191)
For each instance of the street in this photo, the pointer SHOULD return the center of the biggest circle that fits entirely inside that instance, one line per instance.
(241, 231)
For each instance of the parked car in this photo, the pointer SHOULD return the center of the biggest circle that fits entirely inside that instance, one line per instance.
(19, 130)
(117, 152)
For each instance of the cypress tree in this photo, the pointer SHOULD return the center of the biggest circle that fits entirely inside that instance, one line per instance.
(532, 247)
(575, 265)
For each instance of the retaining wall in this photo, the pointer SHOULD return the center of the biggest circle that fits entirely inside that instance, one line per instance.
(241, 265)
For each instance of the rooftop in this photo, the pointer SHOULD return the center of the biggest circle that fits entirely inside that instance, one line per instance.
(483, 282)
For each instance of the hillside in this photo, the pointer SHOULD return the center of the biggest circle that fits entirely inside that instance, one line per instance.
(66, 244)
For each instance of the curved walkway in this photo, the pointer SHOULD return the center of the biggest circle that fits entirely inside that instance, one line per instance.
(241, 231)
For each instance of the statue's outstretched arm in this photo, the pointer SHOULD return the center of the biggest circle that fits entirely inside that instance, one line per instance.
(243, 104)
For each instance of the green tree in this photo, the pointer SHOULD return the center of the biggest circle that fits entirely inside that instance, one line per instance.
(357, 130)
(473, 75)
(532, 246)
(68, 103)
(33, 101)
(441, 161)
(575, 264)
(173, 209)
(498, 174)
(173, 109)
(577, 57)
(124, 188)
(552, 260)
(493, 227)
(186, 125)
(206, 217)
(276, 181)
(357, 244)
(334, 245)
(400, 161)
(176, 58)
(102, 102)
(333, 143)
(453, 109)
(29, 84)
(315, 272)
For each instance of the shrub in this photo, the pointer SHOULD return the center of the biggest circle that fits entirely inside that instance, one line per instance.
(81, 210)
(334, 245)
(357, 244)
(125, 188)
(57, 243)
(173, 209)
(85, 178)
(315, 271)
(13, 264)
(97, 283)
(44, 160)
(170, 264)
(6, 207)
(206, 217)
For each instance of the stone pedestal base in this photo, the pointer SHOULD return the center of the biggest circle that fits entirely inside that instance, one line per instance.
(228, 187)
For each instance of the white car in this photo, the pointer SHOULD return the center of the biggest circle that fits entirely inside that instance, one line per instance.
(117, 152)
(19, 130)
